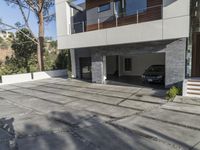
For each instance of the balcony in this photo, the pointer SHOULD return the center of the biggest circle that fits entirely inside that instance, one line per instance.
(159, 22)
(117, 20)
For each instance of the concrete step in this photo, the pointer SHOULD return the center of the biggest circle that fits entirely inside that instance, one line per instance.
(193, 95)
(193, 83)
(197, 92)
(194, 80)
(189, 87)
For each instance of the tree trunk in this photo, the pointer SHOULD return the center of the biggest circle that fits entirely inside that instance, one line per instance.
(40, 49)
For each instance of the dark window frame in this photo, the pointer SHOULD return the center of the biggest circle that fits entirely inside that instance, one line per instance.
(105, 9)
(127, 67)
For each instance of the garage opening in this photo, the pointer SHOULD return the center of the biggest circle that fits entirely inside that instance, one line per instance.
(126, 69)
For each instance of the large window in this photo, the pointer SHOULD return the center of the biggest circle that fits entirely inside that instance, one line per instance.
(128, 64)
(132, 6)
(104, 7)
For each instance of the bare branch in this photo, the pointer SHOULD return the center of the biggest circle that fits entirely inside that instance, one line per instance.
(25, 19)
(10, 26)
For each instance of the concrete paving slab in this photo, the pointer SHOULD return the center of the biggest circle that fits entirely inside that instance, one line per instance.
(37, 124)
(74, 88)
(42, 106)
(101, 98)
(71, 117)
(103, 109)
(196, 147)
(108, 137)
(192, 121)
(4, 146)
(51, 97)
(92, 91)
(9, 95)
(1, 90)
(41, 115)
(8, 87)
(27, 84)
(79, 95)
(147, 98)
(187, 100)
(138, 105)
(116, 94)
(184, 138)
(195, 109)
(152, 92)
(115, 88)
(62, 87)
(56, 141)
(51, 80)
(9, 110)
(72, 83)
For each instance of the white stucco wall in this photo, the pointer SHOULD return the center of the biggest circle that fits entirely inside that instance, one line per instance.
(141, 62)
(16, 78)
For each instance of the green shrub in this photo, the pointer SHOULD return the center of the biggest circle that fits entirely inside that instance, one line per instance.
(173, 92)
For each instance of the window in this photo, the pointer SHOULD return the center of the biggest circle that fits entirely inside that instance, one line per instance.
(104, 7)
(128, 64)
(132, 6)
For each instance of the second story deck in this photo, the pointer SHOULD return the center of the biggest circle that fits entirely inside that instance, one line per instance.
(110, 22)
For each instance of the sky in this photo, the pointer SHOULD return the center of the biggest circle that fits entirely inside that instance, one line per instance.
(11, 15)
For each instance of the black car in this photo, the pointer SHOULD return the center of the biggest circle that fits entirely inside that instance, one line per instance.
(154, 74)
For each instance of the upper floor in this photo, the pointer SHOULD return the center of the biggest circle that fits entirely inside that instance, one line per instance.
(111, 22)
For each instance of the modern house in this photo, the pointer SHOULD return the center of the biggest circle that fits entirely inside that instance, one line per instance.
(122, 38)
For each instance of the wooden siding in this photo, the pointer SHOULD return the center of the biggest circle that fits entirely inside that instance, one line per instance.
(95, 3)
(196, 55)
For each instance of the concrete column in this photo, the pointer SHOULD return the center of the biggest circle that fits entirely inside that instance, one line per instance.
(63, 21)
(175, 62)
(73, 63)
(97, 68)
(104, 69)
(63, 17)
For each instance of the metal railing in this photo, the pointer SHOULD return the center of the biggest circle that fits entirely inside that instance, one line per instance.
(115, 20)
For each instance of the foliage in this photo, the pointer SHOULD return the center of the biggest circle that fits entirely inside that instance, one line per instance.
(24, 49)
(63, 60)
(24, 59)
(42, 10)
(173, 92)
(49, 60)
(1, 40)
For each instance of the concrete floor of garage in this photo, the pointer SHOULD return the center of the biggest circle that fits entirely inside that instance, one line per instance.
(65, 114)
(134, 81)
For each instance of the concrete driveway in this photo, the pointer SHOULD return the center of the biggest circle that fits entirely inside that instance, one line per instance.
(64, 114)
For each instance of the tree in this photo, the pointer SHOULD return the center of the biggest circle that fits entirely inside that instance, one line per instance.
(24, 49)
(1, 40)
(41, 9)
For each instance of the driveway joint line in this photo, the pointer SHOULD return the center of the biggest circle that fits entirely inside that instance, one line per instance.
(83, 99)
(170, 122)
(128, 97)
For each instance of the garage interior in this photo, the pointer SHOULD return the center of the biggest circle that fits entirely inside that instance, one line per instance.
(129, 69)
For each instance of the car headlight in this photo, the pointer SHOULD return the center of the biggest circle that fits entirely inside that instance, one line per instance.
(159, 77)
